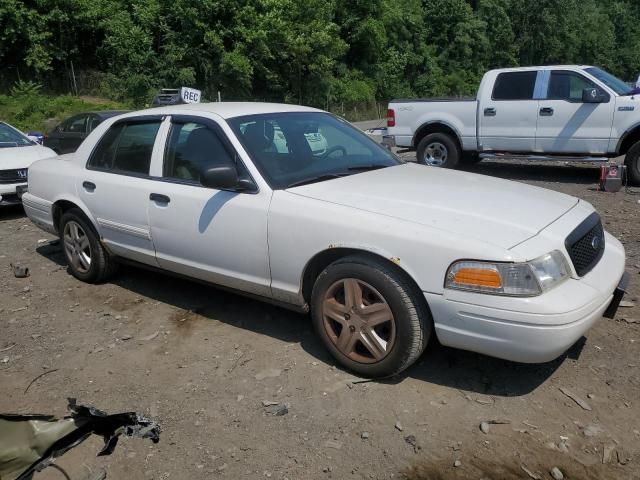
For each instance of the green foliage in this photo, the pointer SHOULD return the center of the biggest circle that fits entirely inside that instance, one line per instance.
(327, 53)
(22, 88)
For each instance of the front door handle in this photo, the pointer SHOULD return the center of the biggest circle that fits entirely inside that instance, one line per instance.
(546, 112)
(89, 186)
(159, 198)
(490, 112)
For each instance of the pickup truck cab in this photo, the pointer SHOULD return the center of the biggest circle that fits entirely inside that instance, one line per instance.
(569, 112)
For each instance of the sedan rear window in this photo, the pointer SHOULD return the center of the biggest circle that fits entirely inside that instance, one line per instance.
(126, 148)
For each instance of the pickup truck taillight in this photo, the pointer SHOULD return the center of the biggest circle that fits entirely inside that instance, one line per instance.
(391, 118)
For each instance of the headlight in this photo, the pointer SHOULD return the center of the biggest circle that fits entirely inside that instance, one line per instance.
(513, 279)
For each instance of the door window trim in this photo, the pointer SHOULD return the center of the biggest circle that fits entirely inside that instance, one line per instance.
(224, 139)
(128, 121)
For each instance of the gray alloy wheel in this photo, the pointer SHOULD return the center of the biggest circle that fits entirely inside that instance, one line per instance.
(77, 246)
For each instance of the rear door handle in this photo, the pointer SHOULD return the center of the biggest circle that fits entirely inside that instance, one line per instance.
(159, 198)
(546, 112)
(490, 112)
(89, 186)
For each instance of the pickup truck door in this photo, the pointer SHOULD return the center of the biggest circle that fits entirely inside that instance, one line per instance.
(213, 235)
(566, 125)
(115, 186)
(507, 117)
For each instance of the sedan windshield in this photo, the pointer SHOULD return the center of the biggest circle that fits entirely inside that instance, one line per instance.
(611, 81)
(10, 137)
(297, 148)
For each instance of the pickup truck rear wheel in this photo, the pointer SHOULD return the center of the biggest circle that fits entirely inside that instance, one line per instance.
(369, 316)
(88, 260)
(438, 150)
(632, 161)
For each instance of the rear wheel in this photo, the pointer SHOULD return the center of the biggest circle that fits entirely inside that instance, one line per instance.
(632, 161)
(88, 260)
(369, 316)
(438, 150)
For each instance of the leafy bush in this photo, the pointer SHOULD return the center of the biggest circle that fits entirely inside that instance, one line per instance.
(23, 89)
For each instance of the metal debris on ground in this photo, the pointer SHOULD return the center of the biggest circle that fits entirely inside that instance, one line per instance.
(20, 271)
(30, 443)
(277, 409)
(398, 426)
(583, 404)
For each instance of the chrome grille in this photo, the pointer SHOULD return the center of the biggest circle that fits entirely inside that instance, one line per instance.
(13, 176)
(586, 244)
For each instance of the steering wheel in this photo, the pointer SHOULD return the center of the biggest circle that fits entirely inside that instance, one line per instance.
(336, 148)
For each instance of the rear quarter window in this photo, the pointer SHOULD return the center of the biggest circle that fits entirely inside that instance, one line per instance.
(126, 148)
(515, 86)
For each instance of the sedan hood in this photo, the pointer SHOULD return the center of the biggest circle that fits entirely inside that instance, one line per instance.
(495, 211)
(22, 157)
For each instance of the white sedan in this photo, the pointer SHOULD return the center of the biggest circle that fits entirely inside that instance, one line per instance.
(17, 153)
(382, 253)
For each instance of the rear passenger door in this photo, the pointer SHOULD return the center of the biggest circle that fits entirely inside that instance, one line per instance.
(116, 185)
(507, 117)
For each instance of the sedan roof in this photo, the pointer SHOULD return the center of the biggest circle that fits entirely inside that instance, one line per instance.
(234, 109)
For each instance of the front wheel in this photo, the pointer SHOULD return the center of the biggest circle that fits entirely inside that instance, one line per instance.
(438, 150)
(369, 316)
(632, 161)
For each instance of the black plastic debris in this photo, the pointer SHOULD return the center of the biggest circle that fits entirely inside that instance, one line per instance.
(30, 443)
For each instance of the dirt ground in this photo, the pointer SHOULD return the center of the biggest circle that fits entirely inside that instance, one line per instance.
(202, 361)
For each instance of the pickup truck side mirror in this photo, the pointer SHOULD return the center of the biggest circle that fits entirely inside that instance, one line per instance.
(225, 177)
(594, 95)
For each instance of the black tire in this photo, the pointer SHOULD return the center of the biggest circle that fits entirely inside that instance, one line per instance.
(450, 144)
(470, 158)
(632, 161)
(102, 264)
(411, 317)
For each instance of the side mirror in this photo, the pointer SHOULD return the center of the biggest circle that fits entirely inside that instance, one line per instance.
(594, 95)
(223, 177)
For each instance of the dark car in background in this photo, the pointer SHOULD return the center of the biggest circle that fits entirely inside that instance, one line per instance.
(68, 135)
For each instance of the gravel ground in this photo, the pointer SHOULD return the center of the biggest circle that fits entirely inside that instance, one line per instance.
(202, 362)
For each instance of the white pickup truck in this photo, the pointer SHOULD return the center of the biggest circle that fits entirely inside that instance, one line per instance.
(571, 112)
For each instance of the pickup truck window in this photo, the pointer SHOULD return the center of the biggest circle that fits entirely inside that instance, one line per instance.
(191, 148)
(515, 86)
(611, 81)
(568, 86)
(126, 148)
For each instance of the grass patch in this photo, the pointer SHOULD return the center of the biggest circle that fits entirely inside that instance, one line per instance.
(36, 112)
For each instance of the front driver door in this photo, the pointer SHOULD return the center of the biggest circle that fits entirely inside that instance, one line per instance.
(566, 125)
(213, 235)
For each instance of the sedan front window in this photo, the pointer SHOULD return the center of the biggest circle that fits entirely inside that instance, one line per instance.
(296, 148)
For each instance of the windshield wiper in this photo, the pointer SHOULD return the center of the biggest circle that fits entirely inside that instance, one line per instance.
(316, 179)
(365, 168)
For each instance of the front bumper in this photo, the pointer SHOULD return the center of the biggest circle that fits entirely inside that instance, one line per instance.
(531, 330)
(11, 193)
